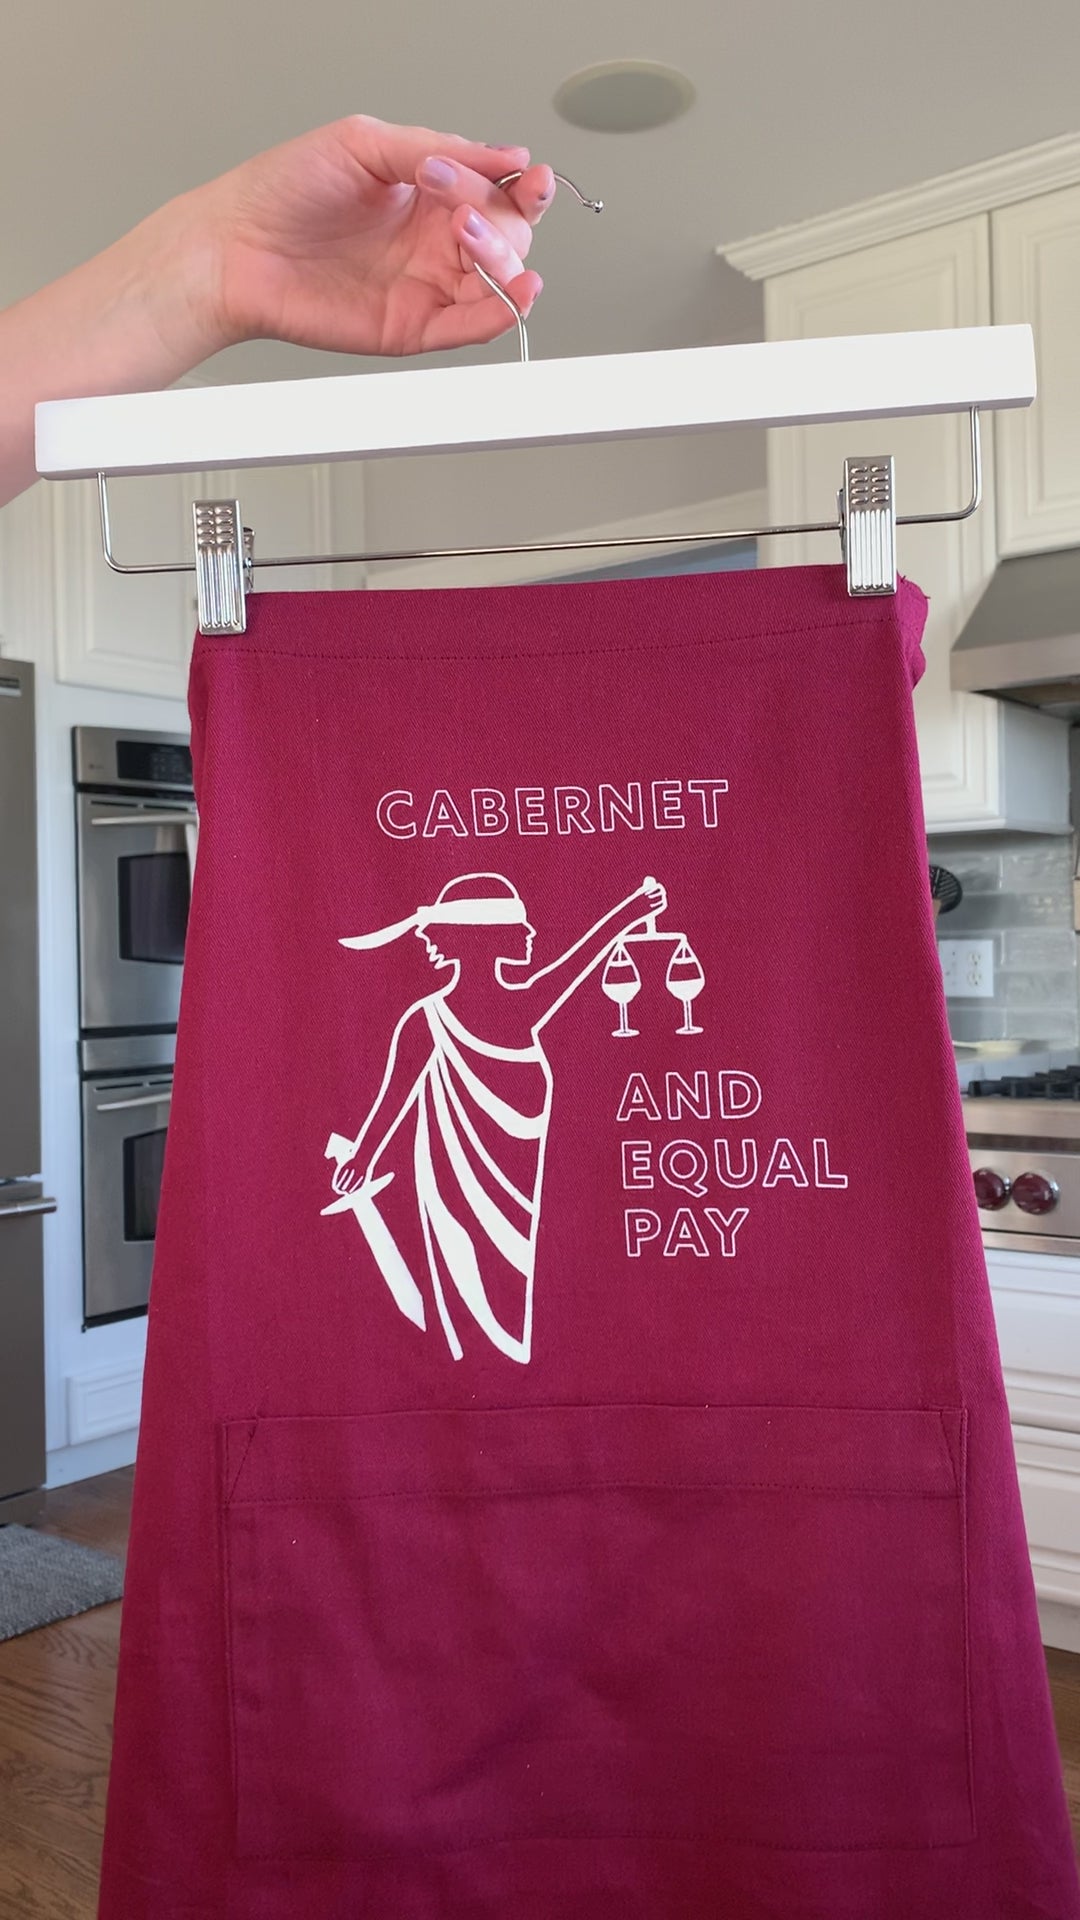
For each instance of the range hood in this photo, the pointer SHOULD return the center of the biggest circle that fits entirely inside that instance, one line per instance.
(1023, 639)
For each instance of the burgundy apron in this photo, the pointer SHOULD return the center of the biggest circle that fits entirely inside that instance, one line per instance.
(575, 1480)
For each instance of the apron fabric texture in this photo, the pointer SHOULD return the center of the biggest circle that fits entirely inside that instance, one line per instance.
(575, 1479)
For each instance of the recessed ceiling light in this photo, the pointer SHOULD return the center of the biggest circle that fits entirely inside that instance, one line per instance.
(624, 96)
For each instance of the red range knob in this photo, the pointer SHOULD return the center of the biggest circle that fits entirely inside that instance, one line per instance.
(1035, 1193)
(991, 1189)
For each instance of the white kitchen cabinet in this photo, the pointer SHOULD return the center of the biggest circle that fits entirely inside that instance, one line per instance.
(1037, 1310)
(133, 633)
(1036, 1301)
(1048, 1464)
(1036, 254)
(26, 607)
(984, 764)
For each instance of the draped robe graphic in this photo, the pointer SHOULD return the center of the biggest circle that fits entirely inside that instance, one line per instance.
(463, 1109)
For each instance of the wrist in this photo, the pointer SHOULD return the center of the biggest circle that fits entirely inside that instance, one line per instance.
(172, 267)
(133, 318)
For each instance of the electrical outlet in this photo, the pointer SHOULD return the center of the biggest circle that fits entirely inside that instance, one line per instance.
(967, 968)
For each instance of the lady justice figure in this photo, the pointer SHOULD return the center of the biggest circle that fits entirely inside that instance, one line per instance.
(462, 1113)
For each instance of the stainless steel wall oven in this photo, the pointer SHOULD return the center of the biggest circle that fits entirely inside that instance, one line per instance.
(136, 834)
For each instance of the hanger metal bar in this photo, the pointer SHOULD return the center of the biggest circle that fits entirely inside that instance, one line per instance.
(975, 497)
(543, 403)
(620, 543)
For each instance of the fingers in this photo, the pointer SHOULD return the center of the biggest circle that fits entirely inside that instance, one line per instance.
(655, 894)
(485, 244)
(529, 196)
(533, 193)
(461, 188)
(492, 225)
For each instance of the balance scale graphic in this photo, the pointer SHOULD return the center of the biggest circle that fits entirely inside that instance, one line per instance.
(621, 979)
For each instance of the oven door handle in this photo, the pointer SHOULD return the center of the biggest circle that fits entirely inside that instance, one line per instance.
(142, 1100)
(183, 817)
(20, 1208)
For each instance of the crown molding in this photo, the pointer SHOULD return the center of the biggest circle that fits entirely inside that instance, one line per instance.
(734, 510)
(1022, 175)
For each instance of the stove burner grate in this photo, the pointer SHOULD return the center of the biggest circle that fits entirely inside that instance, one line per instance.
(1060, 1083)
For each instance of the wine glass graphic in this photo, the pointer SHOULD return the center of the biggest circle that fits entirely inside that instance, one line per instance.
(621, 981)
(685, 979)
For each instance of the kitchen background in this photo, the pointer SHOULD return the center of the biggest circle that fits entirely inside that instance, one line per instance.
(812, 182)
(1018, 895)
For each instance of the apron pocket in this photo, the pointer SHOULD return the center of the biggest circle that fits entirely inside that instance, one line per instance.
(741, 1624)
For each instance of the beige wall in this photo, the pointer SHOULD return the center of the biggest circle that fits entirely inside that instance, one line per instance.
(542, 492)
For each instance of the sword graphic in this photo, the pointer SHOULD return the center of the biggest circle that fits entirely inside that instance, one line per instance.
(361, 1202)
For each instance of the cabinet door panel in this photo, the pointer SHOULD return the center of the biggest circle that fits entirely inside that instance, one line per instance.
(1036, 248)
(130, 633)
(937, 279)
(133, 633)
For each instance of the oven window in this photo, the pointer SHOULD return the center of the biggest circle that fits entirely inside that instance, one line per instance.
(155, 894)
(144, 1157)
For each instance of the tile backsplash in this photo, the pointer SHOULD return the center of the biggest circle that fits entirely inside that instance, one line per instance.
(1017, 893)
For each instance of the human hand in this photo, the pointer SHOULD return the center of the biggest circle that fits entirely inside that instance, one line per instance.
(641, 908)
(653, 894)
(351, 1174)
(345, 239)
(328, 241)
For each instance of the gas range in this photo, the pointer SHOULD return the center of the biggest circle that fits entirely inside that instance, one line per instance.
(1023, 1133)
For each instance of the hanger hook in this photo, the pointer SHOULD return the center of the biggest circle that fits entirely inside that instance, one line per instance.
(594, 206)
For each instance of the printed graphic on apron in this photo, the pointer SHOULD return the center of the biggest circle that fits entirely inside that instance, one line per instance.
(462, 1113)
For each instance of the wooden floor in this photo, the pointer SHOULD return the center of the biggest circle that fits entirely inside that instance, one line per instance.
(56, 1703)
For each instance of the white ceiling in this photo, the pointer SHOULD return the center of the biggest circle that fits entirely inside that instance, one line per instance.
(108, 107)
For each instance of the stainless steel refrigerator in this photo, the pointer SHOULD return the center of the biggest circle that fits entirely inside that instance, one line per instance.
(23, 1203)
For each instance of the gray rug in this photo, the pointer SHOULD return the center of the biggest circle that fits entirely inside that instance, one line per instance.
(43, 1579)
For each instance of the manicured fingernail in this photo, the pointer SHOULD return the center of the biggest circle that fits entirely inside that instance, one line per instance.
(478, 228)
(495, 146)
(437, 173)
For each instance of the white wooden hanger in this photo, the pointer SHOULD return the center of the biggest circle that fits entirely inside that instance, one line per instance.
(541, 403)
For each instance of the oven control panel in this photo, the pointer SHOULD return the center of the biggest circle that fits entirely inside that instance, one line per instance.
(1023, 1137)
(1024, 1193)
(1031, 1192)
(148, 762)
